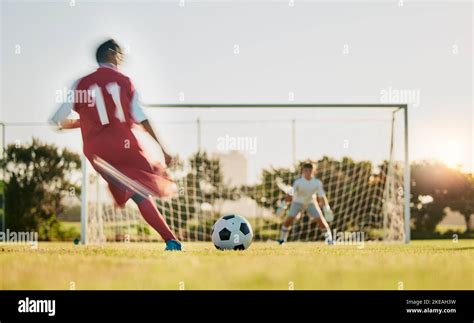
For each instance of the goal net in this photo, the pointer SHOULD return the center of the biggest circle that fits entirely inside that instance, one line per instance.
(240, 159)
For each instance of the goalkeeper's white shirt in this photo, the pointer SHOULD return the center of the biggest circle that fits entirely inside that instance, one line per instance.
(304, 190)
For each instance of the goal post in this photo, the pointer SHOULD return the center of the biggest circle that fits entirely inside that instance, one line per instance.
(361, 153)
(407, 174)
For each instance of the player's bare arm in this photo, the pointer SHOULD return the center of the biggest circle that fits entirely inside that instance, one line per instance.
(149, 129)
(69, 124)
(60, 122)
(322, 201)
(61, 117)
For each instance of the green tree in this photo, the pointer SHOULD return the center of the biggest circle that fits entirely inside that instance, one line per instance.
(37, 177)
(464, 202)
(434, 187)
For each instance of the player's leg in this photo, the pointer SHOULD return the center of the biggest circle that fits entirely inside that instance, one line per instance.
(285, 229)
(295, 208)
(153, 217)
(122, 187)
(315, 211)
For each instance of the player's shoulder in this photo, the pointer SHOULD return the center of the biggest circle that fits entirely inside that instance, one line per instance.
(74, 85)
(317, 181)
(298, 180)
(104, 74)
(85, 80)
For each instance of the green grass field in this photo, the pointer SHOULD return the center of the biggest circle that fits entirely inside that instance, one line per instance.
(419, 265)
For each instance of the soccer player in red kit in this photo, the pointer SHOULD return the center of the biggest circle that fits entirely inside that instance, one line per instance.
(108, 108)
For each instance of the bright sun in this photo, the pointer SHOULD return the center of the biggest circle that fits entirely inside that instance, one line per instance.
(450, 154)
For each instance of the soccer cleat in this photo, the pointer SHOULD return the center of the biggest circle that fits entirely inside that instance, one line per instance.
(281, 241)
(330, 242)
(173, 245)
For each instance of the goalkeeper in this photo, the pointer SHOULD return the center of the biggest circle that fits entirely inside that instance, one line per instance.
(307, 193)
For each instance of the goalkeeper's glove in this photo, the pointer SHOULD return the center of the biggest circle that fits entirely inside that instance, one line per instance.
(328, 214)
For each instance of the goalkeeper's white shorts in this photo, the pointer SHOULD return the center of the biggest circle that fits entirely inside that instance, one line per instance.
(311, 208)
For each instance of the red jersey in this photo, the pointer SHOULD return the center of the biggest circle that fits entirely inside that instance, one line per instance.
(108, 109)
(109, 104)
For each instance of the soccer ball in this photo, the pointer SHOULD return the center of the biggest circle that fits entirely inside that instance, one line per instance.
(232, 232)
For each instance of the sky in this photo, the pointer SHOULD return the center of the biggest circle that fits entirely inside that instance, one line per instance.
(257, 52)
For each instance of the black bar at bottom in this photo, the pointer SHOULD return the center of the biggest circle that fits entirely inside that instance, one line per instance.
(449, 306)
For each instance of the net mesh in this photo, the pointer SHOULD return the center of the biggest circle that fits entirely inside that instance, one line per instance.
(236, 160)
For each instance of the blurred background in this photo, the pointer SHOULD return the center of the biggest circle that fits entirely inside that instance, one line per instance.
(419, 53)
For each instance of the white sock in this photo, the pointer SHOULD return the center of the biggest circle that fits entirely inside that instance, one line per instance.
(285, 231)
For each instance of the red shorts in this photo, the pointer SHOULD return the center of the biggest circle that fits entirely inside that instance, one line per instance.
(120, 149)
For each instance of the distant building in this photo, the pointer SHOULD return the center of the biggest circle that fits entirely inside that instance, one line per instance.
(234, 167)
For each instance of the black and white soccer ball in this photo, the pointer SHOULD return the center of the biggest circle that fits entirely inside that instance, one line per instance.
(232, 232)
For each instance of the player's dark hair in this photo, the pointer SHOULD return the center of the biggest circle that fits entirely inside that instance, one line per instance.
(307, 166)
(104, 48)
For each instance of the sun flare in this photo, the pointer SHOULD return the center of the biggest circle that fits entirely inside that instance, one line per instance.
(451, 154)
